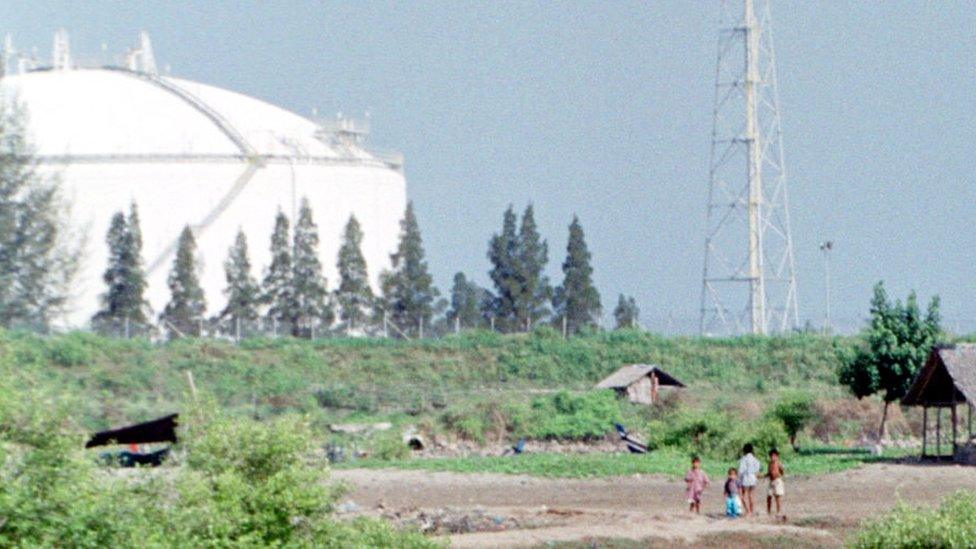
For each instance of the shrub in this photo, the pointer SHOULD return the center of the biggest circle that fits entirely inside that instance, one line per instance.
(245, 484)
(795, 411)
(717, 435)
(389, 445)
(69, 350)
(573, 416)
(696, 432)
(952, 524)
(764, 435)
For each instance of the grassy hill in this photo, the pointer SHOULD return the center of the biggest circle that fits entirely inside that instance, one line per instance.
(115, 381)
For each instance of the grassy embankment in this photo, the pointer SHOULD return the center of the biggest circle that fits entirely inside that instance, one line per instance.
(482, 387)
(333, 379)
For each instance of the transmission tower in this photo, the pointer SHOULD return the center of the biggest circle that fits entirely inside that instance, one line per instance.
(748, 282)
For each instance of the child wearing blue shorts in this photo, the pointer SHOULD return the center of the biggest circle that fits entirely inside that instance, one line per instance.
(733, 507)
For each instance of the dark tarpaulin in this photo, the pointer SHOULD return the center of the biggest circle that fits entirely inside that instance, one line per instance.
(157, 430)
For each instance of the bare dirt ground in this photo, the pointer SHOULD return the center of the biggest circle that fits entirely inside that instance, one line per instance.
(527, 511)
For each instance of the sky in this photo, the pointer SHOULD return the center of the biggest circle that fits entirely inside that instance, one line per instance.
(604, 110)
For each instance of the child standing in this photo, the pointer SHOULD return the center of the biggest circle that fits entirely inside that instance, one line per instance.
(733, 506)
(777, 489)
(749, 467)
(696, 480)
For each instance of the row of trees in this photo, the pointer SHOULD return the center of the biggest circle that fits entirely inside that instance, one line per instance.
(522, 296)
(293, 294)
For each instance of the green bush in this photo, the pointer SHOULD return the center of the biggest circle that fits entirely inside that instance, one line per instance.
(389, 445)
(764, 435)
(695, 432)
(717, 435)
(244, 484)
(795, 411)
(564, 415)
(952, 524)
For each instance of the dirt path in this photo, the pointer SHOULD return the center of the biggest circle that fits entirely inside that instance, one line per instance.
(639, 507)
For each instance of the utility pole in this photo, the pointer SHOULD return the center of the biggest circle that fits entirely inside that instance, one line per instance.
(826, 247)
(748, 242)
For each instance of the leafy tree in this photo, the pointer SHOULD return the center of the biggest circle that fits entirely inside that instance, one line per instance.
(186, 306)
(794, 411)
(626, 313)
(897, 343)
(37, 256)
(503, 255)
(276, 288)
(408, 289)
(124, 300)
(242, 291)
(532, 303)
(311, 307)
(577, 300)
(354, 295)
(466, 300)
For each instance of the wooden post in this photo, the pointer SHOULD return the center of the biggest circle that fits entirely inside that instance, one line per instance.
(970, 406)
(654, 386)
(953, 429)
(938, 431)
(925, 427)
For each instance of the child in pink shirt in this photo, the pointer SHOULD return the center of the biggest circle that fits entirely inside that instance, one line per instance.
(696, 481)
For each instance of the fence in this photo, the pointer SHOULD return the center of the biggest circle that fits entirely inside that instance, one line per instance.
(384, 327)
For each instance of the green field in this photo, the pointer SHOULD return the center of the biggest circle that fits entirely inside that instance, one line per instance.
(664, 462)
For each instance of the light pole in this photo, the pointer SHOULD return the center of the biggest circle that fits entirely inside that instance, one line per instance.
(826, 247)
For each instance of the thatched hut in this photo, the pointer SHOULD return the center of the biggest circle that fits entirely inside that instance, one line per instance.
(639, 382)
(947, 381)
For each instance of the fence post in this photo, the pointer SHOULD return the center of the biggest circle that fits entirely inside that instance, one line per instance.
(127, 327)
(237, 329)
(386, 326)
(492, 322)
(565, 331)
(421, 335)
(457, 324)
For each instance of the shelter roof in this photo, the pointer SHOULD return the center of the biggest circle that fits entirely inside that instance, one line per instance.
(629, 373)
(948, 377)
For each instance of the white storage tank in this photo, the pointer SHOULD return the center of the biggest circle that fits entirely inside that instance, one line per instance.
(190, 153)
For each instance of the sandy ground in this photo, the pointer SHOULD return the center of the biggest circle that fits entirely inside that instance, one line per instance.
(819, 509)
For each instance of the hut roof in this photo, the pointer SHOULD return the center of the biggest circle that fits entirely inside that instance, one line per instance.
(157, 430)
(948, 377)
(630, 373)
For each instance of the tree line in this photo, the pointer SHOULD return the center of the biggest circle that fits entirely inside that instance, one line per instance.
(293, 296)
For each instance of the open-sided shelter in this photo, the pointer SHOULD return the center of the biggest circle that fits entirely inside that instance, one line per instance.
(946, 382)
(639, 382)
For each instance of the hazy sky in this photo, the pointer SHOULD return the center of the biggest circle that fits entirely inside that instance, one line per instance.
(603, 109)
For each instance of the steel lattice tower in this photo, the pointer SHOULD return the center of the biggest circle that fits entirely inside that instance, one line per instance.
(748, 281)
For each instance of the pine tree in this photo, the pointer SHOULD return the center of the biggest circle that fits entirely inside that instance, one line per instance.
(534, 291)
(576, 301)
(626, 313)
(466, 300)
(354, 295)
(408, 290)
(183, 314)
(124, 306)
(242, 291)
(311, 297)
(503, 255)
(37, 256)
(277, 292)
